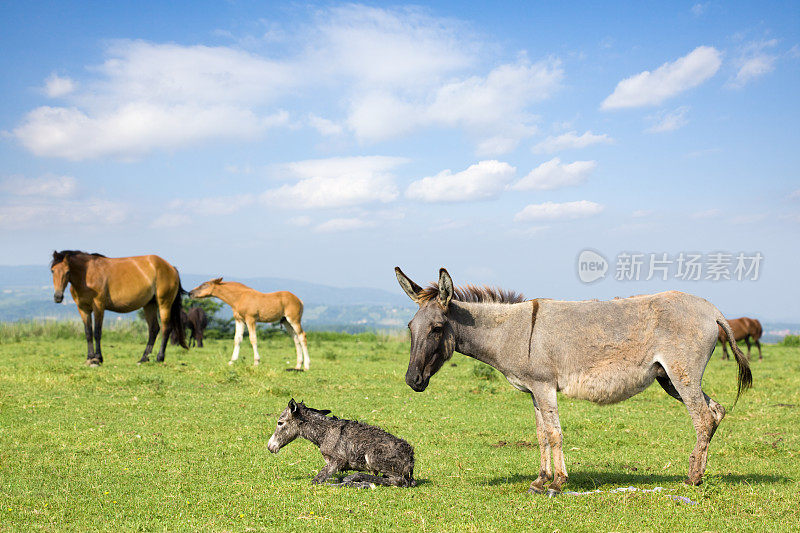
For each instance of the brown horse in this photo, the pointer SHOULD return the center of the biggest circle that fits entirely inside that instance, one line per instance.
(120, 284)
(251, 306)
(743, 329)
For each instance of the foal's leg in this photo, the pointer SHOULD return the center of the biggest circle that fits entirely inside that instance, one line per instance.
(151, 317)
(98, 333)
(327, 471)
(86, 316)
(300, 339)
(298, 348)
(545, 464)
(251, 329)
(237, 340)
(545, 396)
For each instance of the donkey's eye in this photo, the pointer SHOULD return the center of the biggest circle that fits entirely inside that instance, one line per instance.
(436, 329)
(280, 424)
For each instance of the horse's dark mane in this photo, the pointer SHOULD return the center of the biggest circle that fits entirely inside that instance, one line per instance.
(474, 294)
(59, 256)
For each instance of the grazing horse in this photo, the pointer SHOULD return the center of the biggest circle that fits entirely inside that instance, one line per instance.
(197, 322)
(251, 306)
(120, 284)
(600, 351)
(744, 329)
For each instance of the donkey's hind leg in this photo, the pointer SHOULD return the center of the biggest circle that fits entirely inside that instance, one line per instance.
(706, 415)
(361, 479)
(545, 464)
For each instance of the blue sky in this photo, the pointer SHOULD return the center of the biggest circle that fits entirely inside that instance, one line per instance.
(329, 142)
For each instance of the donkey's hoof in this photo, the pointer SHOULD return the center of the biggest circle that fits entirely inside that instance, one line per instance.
(552, 493)
(93, 362)
(294, 369)
(230, 362)
(694, 481)
(535, 490)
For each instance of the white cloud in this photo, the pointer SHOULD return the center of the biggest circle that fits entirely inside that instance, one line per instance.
(754, 62)
(300, 222)
(490, 108)
(708, 213)
(558, 211)
(554, 174)
(480, 181)
(669, 121)
(642, 213)
(47, 185)
(55, 86)
(651, 88)
(40, 213)
(698, 9)
(171, 220)
(324, 126)
(570, 140)
(394, 70)
(336, 182)
(220, 205)
(134, 129)
(342, 224)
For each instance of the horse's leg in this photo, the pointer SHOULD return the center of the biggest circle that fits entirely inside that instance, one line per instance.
(237, 340)
(300, 344)
(747, 342)
(164, 309)
(86, 316)
(545, 396)
(545, 464)
(297, 347)
(99, 312)
(151, 317)
(706, 414)
(198, 333)
(758, 345)
(724, 351)
(251, 330)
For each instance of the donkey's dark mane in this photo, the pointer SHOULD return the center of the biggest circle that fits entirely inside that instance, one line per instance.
(474, 294)
(59, 256)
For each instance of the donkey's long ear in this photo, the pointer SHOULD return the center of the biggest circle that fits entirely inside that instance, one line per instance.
(412, 289)
(292, 406)
(445, 288)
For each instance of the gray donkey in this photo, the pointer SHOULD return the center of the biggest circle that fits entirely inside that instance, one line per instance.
(605, 352)
(347, 445)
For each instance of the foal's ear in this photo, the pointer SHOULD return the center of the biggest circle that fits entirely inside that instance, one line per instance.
(216, 280)
(412, 289)
(445, 288)
(292, 406)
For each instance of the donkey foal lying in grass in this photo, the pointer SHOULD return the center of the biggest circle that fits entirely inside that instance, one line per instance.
(347, 445)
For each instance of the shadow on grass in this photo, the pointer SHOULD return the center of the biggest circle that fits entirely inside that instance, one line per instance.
(591, 480)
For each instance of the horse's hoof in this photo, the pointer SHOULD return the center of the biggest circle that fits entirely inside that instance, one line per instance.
(551, 493)
(230, 362)
(535, 490)
(255, 363)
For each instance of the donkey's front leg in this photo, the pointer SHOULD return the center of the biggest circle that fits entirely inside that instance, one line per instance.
(545, 396)
(545, 464)
(327, 471)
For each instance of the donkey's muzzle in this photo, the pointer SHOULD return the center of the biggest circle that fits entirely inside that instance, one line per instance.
(58, 297)
(416, 381)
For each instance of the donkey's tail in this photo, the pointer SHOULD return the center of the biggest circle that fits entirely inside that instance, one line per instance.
(745, 376)
(175, 316)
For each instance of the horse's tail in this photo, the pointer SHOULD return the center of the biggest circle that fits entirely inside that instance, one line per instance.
(745, 376)
(757, 330)
(175, 316)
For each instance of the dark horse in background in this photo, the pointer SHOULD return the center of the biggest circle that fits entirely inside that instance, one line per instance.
(121, 284)
(743, 329)
(197, 321)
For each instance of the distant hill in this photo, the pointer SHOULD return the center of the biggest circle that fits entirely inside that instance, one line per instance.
(26, 292)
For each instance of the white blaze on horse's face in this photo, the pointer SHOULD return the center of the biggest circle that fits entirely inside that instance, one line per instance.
(287, 429)
(60, 278)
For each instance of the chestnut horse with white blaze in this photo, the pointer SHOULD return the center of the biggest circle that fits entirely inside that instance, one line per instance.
(120, 284)
(251, 306)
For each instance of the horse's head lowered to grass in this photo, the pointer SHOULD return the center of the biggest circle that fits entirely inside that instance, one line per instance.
(432, 338)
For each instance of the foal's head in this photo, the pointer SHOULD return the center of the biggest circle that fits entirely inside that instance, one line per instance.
(432, 337)
(59, 266)
(204, 290)
(289, 422)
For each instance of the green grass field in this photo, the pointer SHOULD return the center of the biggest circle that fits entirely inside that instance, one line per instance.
(182, 446)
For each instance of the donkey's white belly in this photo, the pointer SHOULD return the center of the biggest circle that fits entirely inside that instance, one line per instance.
(608, 387)
(517, 383)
